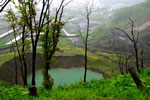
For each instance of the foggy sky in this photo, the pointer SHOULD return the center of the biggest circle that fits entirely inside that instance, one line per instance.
(80, 3)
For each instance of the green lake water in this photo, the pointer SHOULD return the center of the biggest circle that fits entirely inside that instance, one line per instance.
(66, 76)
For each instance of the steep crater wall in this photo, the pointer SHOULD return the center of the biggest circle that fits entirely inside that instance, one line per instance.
(7, 71)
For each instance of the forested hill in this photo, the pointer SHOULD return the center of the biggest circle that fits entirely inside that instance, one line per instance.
(139, 13)
(120, 17)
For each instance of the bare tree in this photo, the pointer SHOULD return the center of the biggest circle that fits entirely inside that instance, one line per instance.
(120, 63)
(88, 12)
(134, 38)
(142, 58)
(128, 57)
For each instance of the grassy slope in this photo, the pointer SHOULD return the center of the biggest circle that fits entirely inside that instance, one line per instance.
(105, 62)
(121, 16)
(120, 87)
(139, 13)
(116, 88)
(5, 57)
(3, 42)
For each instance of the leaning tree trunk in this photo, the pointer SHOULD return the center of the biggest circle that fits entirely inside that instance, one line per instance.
(122, 68)
(136, 79)
(142, 58)
(137, 58)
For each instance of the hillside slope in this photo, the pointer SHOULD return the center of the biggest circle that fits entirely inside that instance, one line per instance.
(113, 41)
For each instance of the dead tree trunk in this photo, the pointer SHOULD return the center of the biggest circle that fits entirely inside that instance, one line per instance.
(120, 62)
(122, 67)
(88, 12)
(136, 79)
(137, 57)
(126, 65)
(86, 48)
(142, 60)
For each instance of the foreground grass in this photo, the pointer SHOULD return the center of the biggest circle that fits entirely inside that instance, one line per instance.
(115, 88)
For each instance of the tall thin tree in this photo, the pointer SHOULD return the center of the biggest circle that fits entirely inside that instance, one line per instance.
(88, 11)
(17, 25)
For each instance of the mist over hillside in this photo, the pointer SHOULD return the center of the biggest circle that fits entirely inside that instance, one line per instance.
(104, 8)
(105, 3)
(101, 6)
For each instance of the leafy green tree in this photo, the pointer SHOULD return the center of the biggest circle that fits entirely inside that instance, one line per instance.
(50, 39)
(19, 29)
(34, 22)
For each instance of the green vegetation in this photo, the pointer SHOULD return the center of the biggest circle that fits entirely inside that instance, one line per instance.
(121, 16)
(49, 41)
(105, 62)
(116, 88)
(64, 42)
(5, 57)
(96, 36)
(3, 42)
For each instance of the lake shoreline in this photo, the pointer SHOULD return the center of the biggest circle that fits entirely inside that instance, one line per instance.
(67, 76)
(7, 71)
